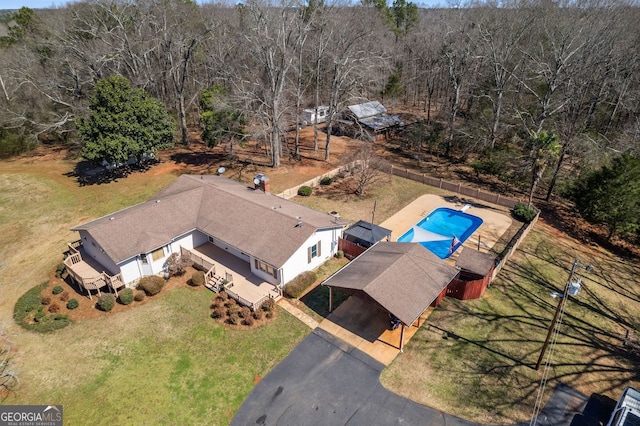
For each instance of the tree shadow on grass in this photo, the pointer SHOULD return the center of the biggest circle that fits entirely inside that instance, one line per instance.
(88, 173)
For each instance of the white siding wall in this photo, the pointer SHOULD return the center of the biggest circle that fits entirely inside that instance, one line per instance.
(130, 271)
(186, 241)
(93, 249)
(299, 262)
(199, 238)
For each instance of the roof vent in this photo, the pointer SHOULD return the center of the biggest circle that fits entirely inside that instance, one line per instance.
(157, 201)
(111, 218)
(299, 225)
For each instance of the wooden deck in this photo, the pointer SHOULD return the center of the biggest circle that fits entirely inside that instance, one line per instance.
(89, 273)
(245, 286)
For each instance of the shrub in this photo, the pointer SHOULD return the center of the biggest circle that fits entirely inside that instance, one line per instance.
(72, 304)
(151, 285)
(524, 212)
(340, 254)
(139, 296)
(223, 295)
(45, 300)
(40, 315)
(126, 296)
(268, 305)
(57, 289)
(60, 270)
(106, 302)
(248, 320)
(54, 308)
(229, 302)
(305, 190)
(257, 314)
(64, 296)
(233, 310)
(269, 314)
(233, 319)
(299, 284)
(197, 278)
(177, 265)
(217, 312)
(245, 312)
(326, 180)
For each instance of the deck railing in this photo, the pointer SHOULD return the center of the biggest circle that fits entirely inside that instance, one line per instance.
(96, 282)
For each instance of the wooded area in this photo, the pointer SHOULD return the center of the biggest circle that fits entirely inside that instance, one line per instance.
(523, 90)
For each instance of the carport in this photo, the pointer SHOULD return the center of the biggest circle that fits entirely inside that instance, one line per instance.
(404, 279)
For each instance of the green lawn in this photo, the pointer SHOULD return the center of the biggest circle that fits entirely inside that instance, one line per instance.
(164, 362)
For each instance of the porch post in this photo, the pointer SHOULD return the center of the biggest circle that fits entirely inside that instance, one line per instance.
(330, 298)
(402, 338)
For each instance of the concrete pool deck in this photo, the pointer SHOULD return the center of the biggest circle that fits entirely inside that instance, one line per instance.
(495, 223)
(365, 326)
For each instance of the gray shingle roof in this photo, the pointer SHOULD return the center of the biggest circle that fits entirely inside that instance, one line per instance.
(257, 223)
(404, 278)
(475, 261)
(366, 233)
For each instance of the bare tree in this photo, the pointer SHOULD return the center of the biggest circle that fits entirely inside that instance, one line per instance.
(369, 168)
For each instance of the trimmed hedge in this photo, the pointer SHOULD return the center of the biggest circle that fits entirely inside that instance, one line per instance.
(139, 296)
(305, 191)
(299, 284)
(151, 285)
(326, 180)
(73, 304)
(106, 302)
(524, 212)
(126, 296)
(57, 289)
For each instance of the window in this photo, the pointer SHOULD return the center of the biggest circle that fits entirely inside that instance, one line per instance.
(157, 254)
(313, 251)
(265, 267)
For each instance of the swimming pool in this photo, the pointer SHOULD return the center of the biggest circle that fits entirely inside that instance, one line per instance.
(443, 231)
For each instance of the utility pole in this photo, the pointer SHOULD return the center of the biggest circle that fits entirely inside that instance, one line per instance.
(570, 288)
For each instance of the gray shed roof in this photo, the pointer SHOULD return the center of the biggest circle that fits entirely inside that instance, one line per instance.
(404, 278)
(367, 109)
(257, 223)
(475, 261)
(366, 233)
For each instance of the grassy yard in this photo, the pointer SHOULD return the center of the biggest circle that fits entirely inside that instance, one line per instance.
(164, 362)
(167, 362)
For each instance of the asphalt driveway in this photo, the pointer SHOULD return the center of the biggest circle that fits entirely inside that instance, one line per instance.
(325, 381)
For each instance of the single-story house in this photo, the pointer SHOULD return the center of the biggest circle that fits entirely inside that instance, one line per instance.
(404, 279)
(278, 239)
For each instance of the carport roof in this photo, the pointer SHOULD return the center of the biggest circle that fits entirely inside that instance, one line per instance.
(404, 278)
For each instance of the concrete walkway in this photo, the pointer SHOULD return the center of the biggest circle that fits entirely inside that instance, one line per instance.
(287, 306)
